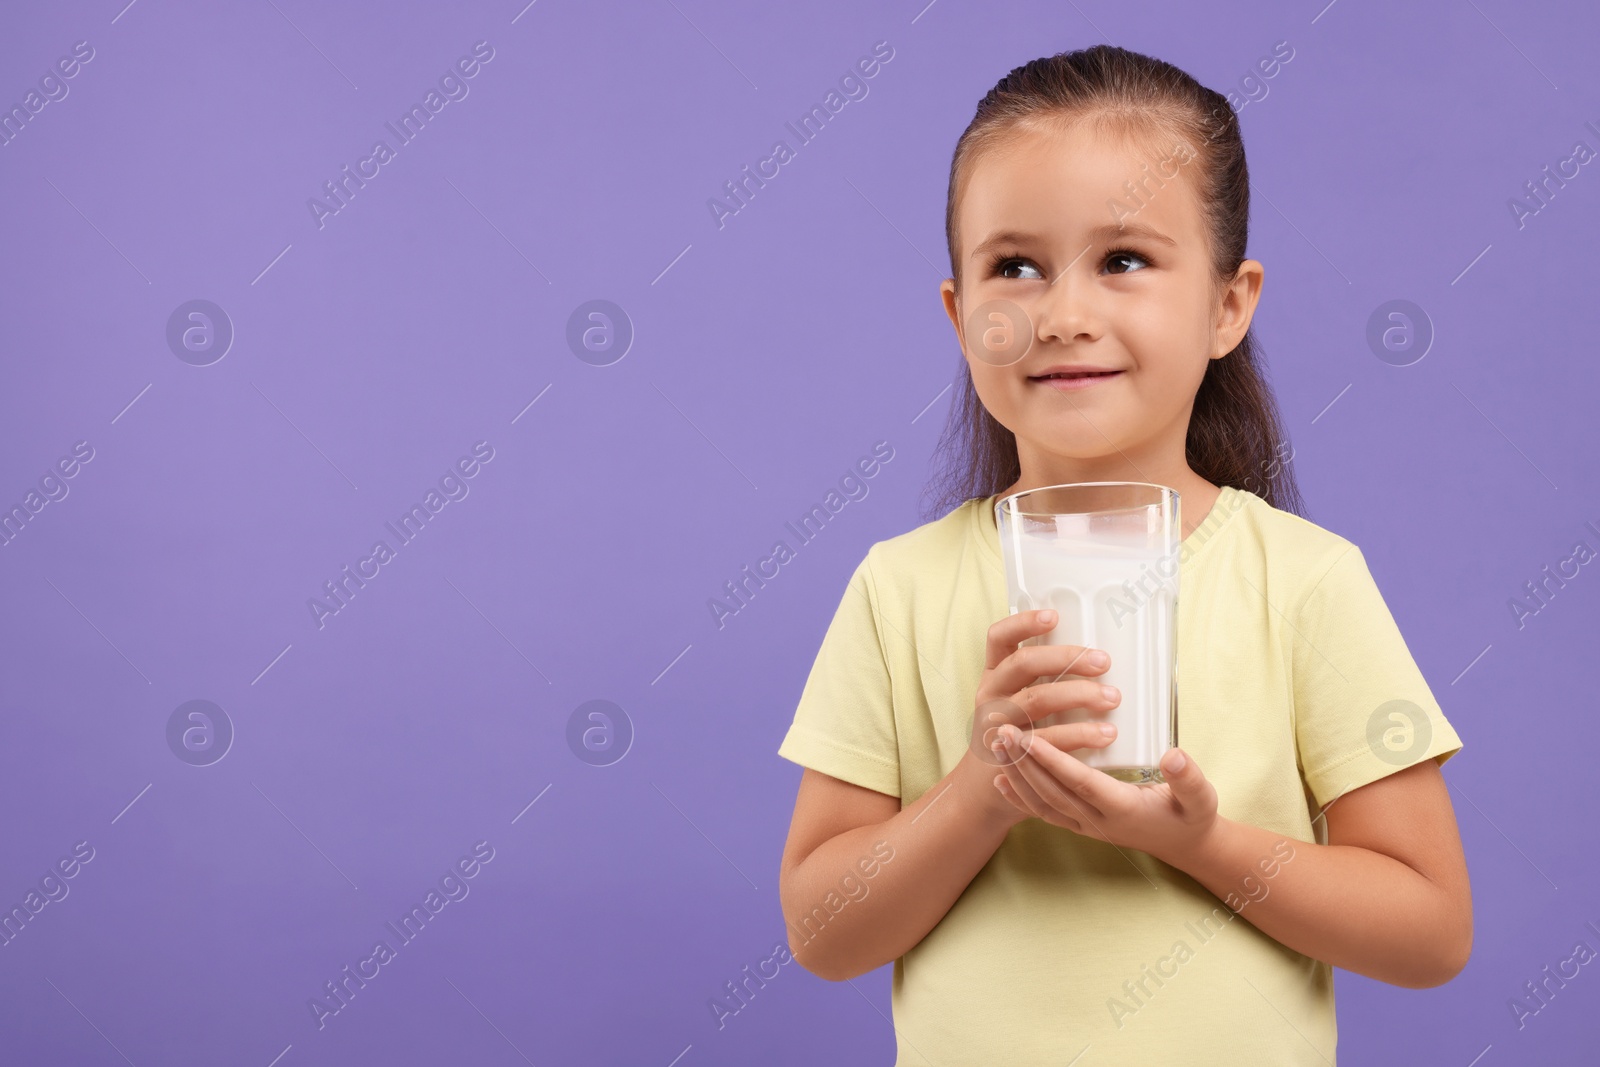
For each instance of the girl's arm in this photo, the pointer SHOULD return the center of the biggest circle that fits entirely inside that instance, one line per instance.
(842, 831)
(1388, 896)
(863, 880)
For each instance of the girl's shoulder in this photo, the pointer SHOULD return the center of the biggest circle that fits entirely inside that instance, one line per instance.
(964, 525)
(1295, 552)
(1283, 530)
(939, 552)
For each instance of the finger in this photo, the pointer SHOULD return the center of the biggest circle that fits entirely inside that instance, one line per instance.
(1025, 792)
(1190, 787)
(1025, 665)
(1004, 785)
(1011, 631)
(1082, 781)
(1012, 734)
(1073, 694)
(1071, 736)
(1052, 792)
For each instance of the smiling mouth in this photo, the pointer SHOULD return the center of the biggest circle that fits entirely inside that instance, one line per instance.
(1074, 380)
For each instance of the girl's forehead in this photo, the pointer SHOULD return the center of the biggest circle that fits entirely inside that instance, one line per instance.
(1065, 182)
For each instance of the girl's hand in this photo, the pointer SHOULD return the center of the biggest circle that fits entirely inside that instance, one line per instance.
(1170, 820)
(1007, 697)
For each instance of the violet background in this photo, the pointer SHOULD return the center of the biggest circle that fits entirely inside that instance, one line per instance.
(768, 356)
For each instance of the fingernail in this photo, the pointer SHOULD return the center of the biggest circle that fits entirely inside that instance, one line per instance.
(1047, 617)
(1109, 691)
(1107, 729)
(1178, 761)
(1096, 658)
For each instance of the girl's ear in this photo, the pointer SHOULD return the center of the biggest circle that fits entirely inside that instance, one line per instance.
(952, 308)
(1238, 305)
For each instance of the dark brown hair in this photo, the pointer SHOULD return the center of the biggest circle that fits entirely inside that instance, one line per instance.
(1234, 435)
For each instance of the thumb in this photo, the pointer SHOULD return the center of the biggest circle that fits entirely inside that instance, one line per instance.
(1196, 795)
(1181, 772)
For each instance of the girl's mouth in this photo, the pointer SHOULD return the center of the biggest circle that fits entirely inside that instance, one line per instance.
(1076, 380)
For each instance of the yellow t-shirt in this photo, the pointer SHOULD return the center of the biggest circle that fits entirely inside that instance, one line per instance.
(1288, 659)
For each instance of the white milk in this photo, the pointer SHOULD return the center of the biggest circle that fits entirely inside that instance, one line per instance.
(1113, 598)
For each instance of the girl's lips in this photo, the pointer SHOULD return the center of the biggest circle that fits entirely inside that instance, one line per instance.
(1082, 382)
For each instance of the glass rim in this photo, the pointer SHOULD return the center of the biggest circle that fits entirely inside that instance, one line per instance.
(1004, 504)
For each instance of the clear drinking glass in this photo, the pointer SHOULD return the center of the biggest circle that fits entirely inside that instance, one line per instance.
(1105, 556)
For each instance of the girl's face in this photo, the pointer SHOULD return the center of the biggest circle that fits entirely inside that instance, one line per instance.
(1063, 263)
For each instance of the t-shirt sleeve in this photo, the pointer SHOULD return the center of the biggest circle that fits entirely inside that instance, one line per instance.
(1362, 707)
(844, 725)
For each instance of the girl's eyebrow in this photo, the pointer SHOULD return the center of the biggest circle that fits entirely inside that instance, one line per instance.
(1004, 237)
(1131, 229)
(1108, 231)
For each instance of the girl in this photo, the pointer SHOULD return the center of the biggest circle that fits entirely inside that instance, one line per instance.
(1034, 907)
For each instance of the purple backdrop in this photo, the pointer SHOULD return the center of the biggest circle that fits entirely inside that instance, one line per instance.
(240, 346)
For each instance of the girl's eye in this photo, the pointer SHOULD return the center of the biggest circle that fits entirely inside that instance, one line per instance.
(1001, 263)
(1124, 253)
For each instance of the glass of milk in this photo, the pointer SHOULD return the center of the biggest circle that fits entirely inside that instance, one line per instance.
(1105, 556)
